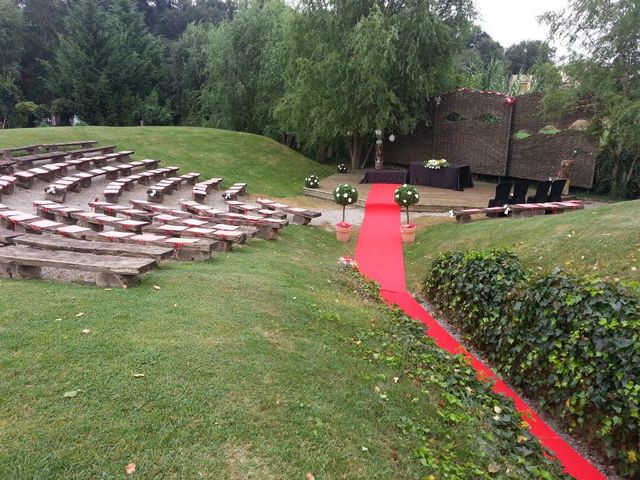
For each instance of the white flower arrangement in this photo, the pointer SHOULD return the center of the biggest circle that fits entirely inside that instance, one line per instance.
(312, 181)
(436, 164)
(348, 262)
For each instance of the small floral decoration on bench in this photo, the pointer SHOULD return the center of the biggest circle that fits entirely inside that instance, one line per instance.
(405, 196)
(342, 168)
(311, 182)
(436, 164)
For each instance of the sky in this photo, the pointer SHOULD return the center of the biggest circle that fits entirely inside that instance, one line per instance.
(511, 21)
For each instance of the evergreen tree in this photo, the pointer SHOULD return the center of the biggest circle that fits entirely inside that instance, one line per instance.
(107, 62)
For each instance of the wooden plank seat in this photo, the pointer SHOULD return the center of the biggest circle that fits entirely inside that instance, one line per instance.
(190, 178)
(265, 212)
(7, 184)
(202, 189)
(240, 207)
(130, 226)
(5, 216)
(85, 164)
(39, 226)
(76, 231)
(48, 242)
(184, 248)
(464, 216)
(24, 178)
(7, 165)
(120, 156)
(48, 147)
(29, 160)
(7, 236)
(137, 214)
(224, 239)
(301, 216)
(268, 228)
(7, 153)
(62, 213)
(57, 191)
(20, 262)
(530, 209)
(107, 208)
(59, 169)
(17, 222)
(84, 152)
(167, 186)
(92, 220)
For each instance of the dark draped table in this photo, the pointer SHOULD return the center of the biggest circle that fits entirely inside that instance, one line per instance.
(455, 177)
(386, 176)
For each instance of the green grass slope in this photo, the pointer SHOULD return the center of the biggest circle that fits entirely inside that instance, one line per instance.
(267, 166)
(604, 241)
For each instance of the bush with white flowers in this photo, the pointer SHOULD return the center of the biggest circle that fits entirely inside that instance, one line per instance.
(344, 195)
(342, 168)
(311, 182)
(405, 196)
(436, 164)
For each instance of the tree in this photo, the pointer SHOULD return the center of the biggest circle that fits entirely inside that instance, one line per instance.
(522, 56)
(603, 69)
(11, 39)
(107, 62)
(370, 66)
(486, 48)
(9, 96)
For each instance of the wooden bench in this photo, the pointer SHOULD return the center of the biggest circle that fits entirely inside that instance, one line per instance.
(7, 165)
(234, 191)
(202, 189)
(47, 242)
(83, 152)
(301, 216)
(48, 147)
(21, 262)
(7, 236)
(519, 210)
(183, 248)
(29, 160)
(7, 184)
(7, 153)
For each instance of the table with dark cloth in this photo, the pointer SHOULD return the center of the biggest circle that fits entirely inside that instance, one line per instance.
(455, 177)
(386, 176)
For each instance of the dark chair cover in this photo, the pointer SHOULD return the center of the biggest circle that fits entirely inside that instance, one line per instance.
(555, 194)
(502, 194)
(542, 191)
(520, 190)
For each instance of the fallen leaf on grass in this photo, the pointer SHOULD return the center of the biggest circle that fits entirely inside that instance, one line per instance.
(86, 330)
(156, 287)
(130, 469)
(72, 393)
(138, 375)
(80, 314)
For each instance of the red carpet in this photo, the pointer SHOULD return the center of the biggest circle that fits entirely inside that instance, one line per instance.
(379, 256)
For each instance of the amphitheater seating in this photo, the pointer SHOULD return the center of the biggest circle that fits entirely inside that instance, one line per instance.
(301, 216)
(234, 191)
(202, 189)
(48, 147)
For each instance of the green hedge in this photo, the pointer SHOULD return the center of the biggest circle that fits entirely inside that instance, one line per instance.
(574, 344)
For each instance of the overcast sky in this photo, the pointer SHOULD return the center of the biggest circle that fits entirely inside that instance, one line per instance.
(511, 21)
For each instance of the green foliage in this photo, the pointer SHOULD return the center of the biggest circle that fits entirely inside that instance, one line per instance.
(11, 41)
(521, 135)
(153, 113)
(454, 117)
(603, 76)
(479, 75)
(401, 346)
(549, 130)
(572, 343)
(63, 109)
(28, 114)
(522, 56)
(489, 119)
(312, 181)
(9, 96)
(107, 61)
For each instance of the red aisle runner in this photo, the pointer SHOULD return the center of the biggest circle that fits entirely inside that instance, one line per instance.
(379, 256)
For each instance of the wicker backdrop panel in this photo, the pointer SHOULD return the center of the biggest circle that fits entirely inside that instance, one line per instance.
(417, 146)
(470, 141)
(538, 157)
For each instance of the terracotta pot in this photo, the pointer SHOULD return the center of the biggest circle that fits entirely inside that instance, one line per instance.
(408, 232)
(343, 231)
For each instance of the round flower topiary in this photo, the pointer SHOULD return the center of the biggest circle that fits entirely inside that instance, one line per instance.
(311, 182)
(342, 168)
(405, 196)
(344, 195)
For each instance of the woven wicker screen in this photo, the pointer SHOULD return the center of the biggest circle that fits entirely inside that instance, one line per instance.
(484, 145)
(538, 157)
(417, 146)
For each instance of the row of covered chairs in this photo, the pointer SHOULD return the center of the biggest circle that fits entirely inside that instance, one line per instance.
(546, 191)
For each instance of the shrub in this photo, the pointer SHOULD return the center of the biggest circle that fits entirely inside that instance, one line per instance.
(311, 182)
(344, 195)
(572, 343)
(28, 114)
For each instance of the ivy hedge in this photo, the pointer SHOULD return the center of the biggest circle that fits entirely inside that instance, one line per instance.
(572, 343)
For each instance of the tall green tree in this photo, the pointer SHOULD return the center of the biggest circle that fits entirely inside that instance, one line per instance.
(370, 65)
(520, 57)
(603, 71)
(11, 38)
(107, 62)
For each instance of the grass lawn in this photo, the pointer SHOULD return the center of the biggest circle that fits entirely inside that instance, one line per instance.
(267, 166)
(250, 372)
(604, 241)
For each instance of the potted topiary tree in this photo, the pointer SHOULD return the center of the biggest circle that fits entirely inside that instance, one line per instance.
(405, 196)
(342, 168)
(344, 195)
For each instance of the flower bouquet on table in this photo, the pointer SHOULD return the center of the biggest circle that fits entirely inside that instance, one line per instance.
(405, 196)
(436, 164)
(342, 168)
(311, 182)
(344, 195)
